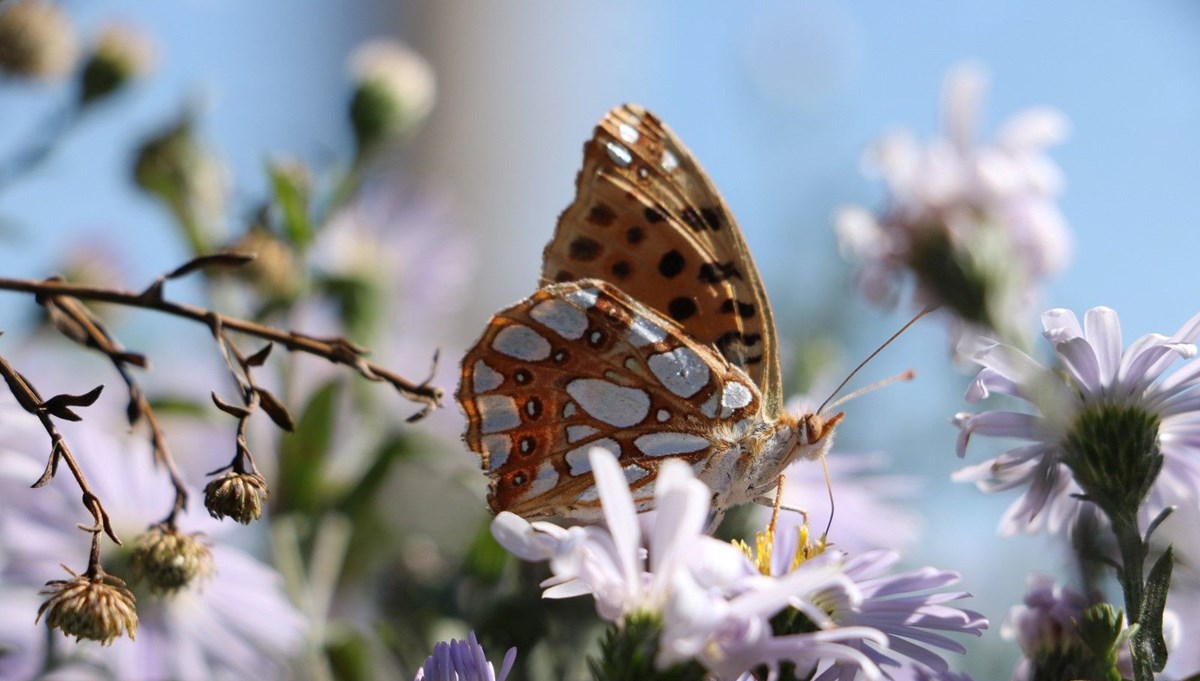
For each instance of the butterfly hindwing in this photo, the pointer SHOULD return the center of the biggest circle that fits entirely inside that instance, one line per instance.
(580, 365)
(647, 218)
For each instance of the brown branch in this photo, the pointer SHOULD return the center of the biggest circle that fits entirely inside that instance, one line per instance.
(337, 350)
(75, 321)
(29, 399)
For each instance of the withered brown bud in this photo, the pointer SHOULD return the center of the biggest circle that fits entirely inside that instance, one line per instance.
(236, 495)
(96, 608)
(168, 560)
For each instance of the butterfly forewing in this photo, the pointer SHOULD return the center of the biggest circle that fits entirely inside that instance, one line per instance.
(580, 365)
(647, 218)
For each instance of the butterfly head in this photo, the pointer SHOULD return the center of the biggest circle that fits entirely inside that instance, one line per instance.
(816, 434)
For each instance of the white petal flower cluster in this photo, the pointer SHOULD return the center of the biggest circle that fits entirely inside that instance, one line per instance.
(715, 606)
(989, 206)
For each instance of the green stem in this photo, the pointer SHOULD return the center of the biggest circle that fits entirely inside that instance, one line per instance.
(1132, 578)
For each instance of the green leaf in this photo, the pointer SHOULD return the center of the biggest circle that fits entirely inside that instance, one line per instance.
(485, 558)
(303, 453)
(1102, 630)
(349, 656)
(359, 302)
(290, 188)
(1158, 582)
(181, 406)
(362, 494)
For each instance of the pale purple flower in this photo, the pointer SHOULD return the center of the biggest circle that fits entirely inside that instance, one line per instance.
(1096, 372)
(1048, 619)
(715, 606)
(728, 629)
(610, 563)
(201, 632)
(463, 661)
(990, 206)
(910, 611)
(1047, 623)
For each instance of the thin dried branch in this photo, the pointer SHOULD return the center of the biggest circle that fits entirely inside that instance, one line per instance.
(338, 350)
(76, 321)
(32, 402)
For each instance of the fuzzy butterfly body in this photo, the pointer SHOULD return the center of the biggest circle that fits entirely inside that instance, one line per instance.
(651, 337)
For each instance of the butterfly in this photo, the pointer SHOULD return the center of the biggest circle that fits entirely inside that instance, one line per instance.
(650, 337)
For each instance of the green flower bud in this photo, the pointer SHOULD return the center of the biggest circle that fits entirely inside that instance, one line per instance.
(121, 54)
(394, 92)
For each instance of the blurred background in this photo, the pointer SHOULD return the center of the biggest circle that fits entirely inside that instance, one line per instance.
(777, 100)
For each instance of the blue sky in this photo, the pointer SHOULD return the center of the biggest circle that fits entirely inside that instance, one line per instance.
(776, 99)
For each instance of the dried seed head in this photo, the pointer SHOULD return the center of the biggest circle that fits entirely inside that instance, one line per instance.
(169, 560)
(236, 495)
(122, 53)
(36, 40)
(98, 609)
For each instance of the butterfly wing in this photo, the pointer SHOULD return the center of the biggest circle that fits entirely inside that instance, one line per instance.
(580, 365)
(647, 218)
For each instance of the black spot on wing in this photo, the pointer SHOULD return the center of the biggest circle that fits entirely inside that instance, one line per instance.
(671, 264)
(585, 249)
(681, 308)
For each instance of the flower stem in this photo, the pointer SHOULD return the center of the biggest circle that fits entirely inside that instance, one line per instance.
(1131, 576)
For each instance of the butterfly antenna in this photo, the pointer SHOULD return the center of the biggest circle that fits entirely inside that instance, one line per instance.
(894, 336)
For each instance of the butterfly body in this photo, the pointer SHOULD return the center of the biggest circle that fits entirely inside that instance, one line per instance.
(651, 337)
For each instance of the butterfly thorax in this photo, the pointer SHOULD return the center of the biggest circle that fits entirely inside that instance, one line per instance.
(748, 457)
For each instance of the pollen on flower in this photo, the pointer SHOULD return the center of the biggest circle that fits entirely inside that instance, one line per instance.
(97, 608)
(764, 543)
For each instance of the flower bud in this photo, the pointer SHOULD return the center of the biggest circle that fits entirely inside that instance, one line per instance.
(177, 168)
(169, 560)
(98, 609)
(236, 495)
(274, 272)
(36, 40)
(394, 92)
(121, 54)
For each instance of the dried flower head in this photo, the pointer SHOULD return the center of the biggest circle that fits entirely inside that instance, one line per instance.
(236, 495)
(169, 560)
(36, 40)
(394, 92)
(122, 53)
(98, 608)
